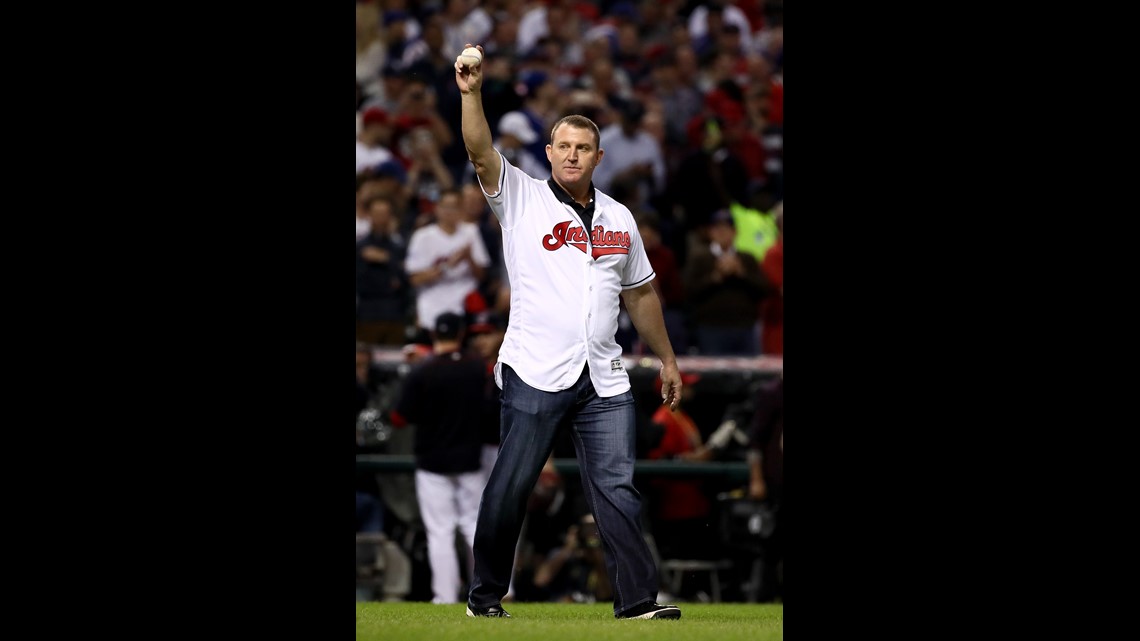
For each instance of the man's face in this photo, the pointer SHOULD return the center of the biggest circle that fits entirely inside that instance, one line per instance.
(381, 214)
(448, 210)
(573, 156)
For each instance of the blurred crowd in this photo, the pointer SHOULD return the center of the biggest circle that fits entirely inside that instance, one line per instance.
(689, 99)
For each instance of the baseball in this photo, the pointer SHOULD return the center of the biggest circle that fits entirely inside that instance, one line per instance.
(470, 57)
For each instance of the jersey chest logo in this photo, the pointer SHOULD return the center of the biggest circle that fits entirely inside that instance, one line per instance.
(604, 242)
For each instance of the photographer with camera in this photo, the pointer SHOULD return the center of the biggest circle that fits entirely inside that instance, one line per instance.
(576, 572)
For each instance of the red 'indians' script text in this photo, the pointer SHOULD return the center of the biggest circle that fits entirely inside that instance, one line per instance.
(604, 242)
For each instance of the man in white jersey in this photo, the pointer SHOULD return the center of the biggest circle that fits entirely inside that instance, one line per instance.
(445, 261)
(570, 251)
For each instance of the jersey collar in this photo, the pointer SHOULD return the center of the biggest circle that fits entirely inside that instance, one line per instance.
(564, 197)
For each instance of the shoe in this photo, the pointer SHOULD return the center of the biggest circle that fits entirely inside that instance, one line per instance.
(651, 611)
(493, 611)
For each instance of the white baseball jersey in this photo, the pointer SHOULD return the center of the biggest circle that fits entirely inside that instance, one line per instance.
(565, 284)
(431, 245)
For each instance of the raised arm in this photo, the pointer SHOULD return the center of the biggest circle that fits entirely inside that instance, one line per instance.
(476, 131)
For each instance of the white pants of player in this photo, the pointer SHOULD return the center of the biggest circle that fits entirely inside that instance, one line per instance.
(447, 502)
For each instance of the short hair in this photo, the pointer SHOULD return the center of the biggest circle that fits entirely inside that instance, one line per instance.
(581, 122)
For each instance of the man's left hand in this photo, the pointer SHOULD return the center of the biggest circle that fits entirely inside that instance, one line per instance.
(670, 385)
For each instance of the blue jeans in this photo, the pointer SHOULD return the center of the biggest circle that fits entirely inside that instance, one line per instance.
(603, 432)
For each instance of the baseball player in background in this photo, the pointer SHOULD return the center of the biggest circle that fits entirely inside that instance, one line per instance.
(570, 251)
(448, 448)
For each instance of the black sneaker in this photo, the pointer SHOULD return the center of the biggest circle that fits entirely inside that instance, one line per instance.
(493, 611)
(651, 611)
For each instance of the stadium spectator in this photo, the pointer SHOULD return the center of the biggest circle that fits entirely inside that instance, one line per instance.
(400, 31)
(724, 288)
(517, 140)
(755, 222)
(428, 176)
(680, 101)
(371, 52)
(416, 107)
(703, 20)
(632, 155)
(382, 285)
(445, 262)
(465, 21)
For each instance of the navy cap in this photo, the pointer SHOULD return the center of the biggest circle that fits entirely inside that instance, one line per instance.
(448, 325)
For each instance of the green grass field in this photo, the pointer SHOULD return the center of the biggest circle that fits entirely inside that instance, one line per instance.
(567, 622)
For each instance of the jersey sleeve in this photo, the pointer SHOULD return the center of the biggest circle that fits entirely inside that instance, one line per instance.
(509, 201)
(637, 271)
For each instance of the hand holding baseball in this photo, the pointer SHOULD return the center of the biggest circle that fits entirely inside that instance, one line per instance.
(469, 69)
(470, 56)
